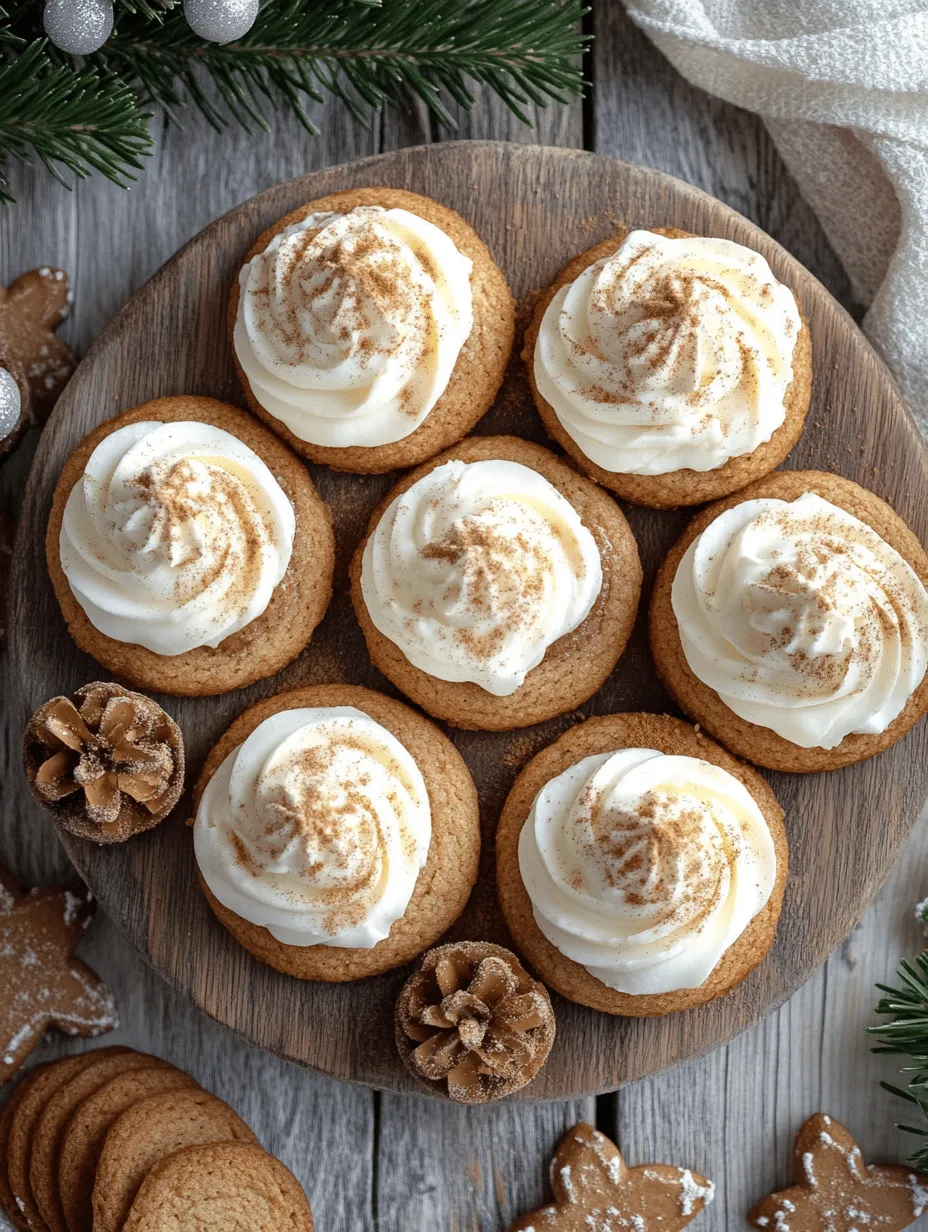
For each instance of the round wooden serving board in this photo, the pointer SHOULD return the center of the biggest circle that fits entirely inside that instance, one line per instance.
(536, 208)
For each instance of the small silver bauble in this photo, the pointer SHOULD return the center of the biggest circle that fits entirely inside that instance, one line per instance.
(78, 27)
(221, 21)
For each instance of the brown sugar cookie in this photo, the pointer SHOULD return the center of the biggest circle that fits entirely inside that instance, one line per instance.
(684, 486)
(107, 763)
(148, 1132)
(574, 666)
(472, 1024)
(835, 1190)
(755, 743)
(595, 1190)
(481, 363)
(217, 1187)
(86, 1132)
(8, 1202)
(606, 735)
(443, 884)
(38, 933)
(298, 603)
(45, 1149)
(31, 309)
(32, 1102)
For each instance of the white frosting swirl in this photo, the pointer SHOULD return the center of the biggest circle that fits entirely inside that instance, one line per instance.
(802, 619)
(349, 325)
(175, 536)
(477, 569)
(316, 828)
(645, 868)
(670, 353)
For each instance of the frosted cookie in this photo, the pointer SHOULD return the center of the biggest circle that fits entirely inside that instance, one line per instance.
(673, 368)
(337, 832)
(791, 621)
(45, 1148)
(188, 548)
(836, 1191)
(371, 328)
(86, 1132)
(496, 587)
(217, 1187)
(640, 867)
(148, 1132)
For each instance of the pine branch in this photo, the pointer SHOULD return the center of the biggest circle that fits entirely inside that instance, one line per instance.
(84, 120)
(371, 56)
(907, 1035)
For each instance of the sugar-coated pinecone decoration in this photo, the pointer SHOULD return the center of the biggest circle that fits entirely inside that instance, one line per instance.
(472, 1023)
(106, 762)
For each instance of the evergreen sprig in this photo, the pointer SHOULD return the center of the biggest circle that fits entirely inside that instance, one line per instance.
(907, 1035)
(372, 54)
(81, 119)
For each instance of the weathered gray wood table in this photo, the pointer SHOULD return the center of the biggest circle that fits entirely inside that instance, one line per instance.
(371, 1161)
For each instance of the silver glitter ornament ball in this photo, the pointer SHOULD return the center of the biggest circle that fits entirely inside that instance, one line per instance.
(78, 26)
(221, 21)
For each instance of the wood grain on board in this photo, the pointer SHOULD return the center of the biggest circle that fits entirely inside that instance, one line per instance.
(536, 207)
(374, 1163)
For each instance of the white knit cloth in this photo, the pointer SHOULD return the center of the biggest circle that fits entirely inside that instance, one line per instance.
(843, 88)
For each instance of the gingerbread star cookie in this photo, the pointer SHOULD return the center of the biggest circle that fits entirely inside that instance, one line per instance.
(596, 1191)
(39, 363)
(44, 985)
(835, 1191)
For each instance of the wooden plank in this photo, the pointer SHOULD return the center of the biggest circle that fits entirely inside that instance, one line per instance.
(734, 1113)
(462, 1169)
(111, 241)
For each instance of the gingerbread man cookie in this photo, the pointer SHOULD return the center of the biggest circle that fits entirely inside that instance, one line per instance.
(34, 363)
(596, 1191)
(835, 1191)
(45, 985)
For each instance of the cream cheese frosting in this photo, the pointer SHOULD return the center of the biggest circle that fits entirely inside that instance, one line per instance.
(477, 569)
(175, 536)
(349, 325)
(671, 353)
(803, 619)
(645, 867)
(316, 827)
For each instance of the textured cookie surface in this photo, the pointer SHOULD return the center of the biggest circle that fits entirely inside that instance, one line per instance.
(685, 486)
(34, 1098)
(443, 885)
(298, 603)
(221, 1187)
(608, 734)
(7, 1197)
(149, 1132)
(102, 1065)
(703, 704)
(480, 366)
(574, 666)
(86, 1132)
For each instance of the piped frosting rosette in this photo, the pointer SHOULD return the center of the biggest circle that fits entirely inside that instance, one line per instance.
(316, 827)
(175, 536)
(477, 569)
(802, 619)
(669, 353)
(646, 867)
(349, 325)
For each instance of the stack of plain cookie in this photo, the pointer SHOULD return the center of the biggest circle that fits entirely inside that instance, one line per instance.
(119, 1141)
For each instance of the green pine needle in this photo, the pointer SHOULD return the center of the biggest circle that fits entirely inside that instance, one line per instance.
(372, 54)
(907, 1035)
(84, 120)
